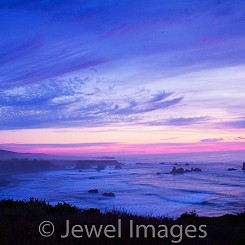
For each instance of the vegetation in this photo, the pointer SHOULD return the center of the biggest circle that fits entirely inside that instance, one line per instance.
(19, 222)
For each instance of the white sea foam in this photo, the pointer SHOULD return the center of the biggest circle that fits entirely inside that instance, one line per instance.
(139, 189)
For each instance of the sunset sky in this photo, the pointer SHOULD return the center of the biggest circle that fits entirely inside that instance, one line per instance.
(159, 76)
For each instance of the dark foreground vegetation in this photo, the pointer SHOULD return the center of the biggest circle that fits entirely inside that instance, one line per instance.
(19, 224)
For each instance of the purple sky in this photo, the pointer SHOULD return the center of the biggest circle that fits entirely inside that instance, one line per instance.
(122, 76)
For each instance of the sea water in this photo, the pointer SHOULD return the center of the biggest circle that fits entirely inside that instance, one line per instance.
(147, 188)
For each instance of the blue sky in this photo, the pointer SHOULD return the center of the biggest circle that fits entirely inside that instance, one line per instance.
(137, 70)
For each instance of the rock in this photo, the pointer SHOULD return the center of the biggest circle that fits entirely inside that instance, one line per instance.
(158, 173)
(177, 170)
(162, 163)
(108, 194)
(82, 165)
(118, 166)
(243, 166)
(231, 169)
(93, 191)
(196, 170)
(181, 170)
(85, 164)
(91, 177)
(106, 157)
(187, 164)
(100, 167)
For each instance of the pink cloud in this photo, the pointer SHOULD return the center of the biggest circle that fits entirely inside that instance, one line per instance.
(120, 148)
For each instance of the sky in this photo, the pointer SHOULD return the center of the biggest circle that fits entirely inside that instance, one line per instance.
(136, 77)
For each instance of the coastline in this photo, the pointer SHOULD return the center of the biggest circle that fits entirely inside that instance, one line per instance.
(142, 189)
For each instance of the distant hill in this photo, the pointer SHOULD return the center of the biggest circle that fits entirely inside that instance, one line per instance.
(25, 166)
(6, 155)
(16, 162)
(3, 152)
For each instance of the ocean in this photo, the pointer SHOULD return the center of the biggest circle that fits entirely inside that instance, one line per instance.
(147, 188)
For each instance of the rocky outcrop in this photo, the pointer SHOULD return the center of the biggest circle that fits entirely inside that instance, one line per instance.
(85, 164)
(181, 170)
(196, 170)
(231, 169)
(243, 166)
(118, 166)
(100, 167)
(26, 166)
(108, 194)
(93, 191)
(177, 170)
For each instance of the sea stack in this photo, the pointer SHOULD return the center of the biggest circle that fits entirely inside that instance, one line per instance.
(243, 166)
(93, 191)
(118, 166)
(177, 171)
(108, 194)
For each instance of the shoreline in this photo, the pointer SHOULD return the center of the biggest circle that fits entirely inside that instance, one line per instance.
(79, 198)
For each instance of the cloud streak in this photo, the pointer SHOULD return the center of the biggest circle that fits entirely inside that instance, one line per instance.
(121, 148)
(35, 69)
(239, 123)
(16, 50)
(183, 121)
(212, 140)
(77, 102)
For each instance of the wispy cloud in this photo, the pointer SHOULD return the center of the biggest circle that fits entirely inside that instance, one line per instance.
(177, 121)
(36, 68)
(77, 102)
(119, 148)
(238, 123)
(134, 107)
(212, 140)
(15, 50)
(239, 138)
(183, 121)
(151, 43)
(60, 145)
(66, 64)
